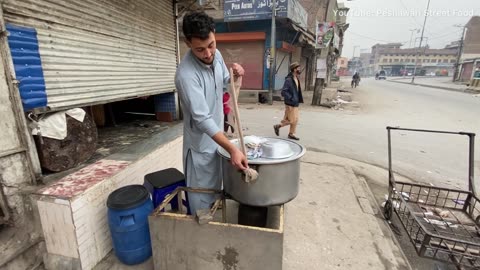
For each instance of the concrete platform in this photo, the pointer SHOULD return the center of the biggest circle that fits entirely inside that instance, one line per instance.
(179, 242)
(333, 223)
(73, 210)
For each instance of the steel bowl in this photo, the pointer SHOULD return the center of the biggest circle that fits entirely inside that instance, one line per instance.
(276, 150)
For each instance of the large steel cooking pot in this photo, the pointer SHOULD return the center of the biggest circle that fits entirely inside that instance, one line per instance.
(278, 179)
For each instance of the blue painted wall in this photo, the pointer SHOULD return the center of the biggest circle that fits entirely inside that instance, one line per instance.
(166, 103)
(28, 66)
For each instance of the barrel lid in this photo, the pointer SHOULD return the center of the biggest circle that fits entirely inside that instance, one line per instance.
(164, 178)
(127, 197)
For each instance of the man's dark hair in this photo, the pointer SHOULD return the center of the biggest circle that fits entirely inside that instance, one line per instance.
(197, 25)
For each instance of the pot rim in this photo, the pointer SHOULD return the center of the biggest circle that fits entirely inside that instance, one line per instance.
(266, 161)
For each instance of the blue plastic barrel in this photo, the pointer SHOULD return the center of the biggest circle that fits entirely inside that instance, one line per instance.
(128, 210)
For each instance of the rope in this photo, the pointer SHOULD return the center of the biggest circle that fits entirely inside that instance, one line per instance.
(251, 175)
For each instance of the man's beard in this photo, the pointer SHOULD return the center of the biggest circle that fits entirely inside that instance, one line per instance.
(206, 61)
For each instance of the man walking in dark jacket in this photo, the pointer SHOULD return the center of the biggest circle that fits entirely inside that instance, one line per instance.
(292, 94)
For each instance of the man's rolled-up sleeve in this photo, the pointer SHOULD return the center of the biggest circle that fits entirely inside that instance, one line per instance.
(193, 100)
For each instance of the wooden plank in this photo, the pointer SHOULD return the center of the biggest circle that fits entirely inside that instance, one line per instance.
(23, 133)
(58, 229)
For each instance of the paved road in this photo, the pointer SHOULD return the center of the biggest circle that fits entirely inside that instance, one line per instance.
(358, 132)
(440, 82)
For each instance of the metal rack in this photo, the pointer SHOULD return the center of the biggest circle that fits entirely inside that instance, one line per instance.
(442, 223)
(180, 191)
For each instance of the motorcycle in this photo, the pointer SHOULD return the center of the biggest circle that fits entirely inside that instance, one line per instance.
(355, 83)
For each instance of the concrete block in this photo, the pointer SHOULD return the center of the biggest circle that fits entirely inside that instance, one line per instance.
(179, 242)
(346, 96)
(329, 94)
(20, 249)
(74, 212)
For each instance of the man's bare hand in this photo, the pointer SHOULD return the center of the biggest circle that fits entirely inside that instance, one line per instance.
(238, 70)
(238, 159)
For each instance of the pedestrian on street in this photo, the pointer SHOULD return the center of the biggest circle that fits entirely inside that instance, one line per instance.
(201, 79)
(292, 94)
(356, 76)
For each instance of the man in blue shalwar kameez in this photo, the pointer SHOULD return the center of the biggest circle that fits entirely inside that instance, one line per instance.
(201, 79)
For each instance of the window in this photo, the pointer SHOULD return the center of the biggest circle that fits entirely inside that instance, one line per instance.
(433, 60)
(395, 60)
(390, 60)
(384, 60)
(453, 61)
(425, 61)
(445, 60)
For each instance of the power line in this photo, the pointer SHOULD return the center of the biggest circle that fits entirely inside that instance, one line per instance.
(374, 39)
(419, 24)
(413, 18)
(447, 34)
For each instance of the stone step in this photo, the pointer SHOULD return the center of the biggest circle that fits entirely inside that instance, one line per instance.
(20, 249)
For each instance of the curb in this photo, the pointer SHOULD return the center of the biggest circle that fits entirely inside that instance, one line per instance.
(468, 91)
(367, 202)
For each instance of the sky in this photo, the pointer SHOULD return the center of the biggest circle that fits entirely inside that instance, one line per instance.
(384, 21)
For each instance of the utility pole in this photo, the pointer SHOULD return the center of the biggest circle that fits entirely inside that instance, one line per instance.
(354, 49)
(459, 53)
(411, 36)
(272, 53)
(319, 82)
(353, 58)
(421, 40)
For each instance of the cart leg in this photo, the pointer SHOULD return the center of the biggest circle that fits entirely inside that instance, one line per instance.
(457, 263)
(388, 210)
